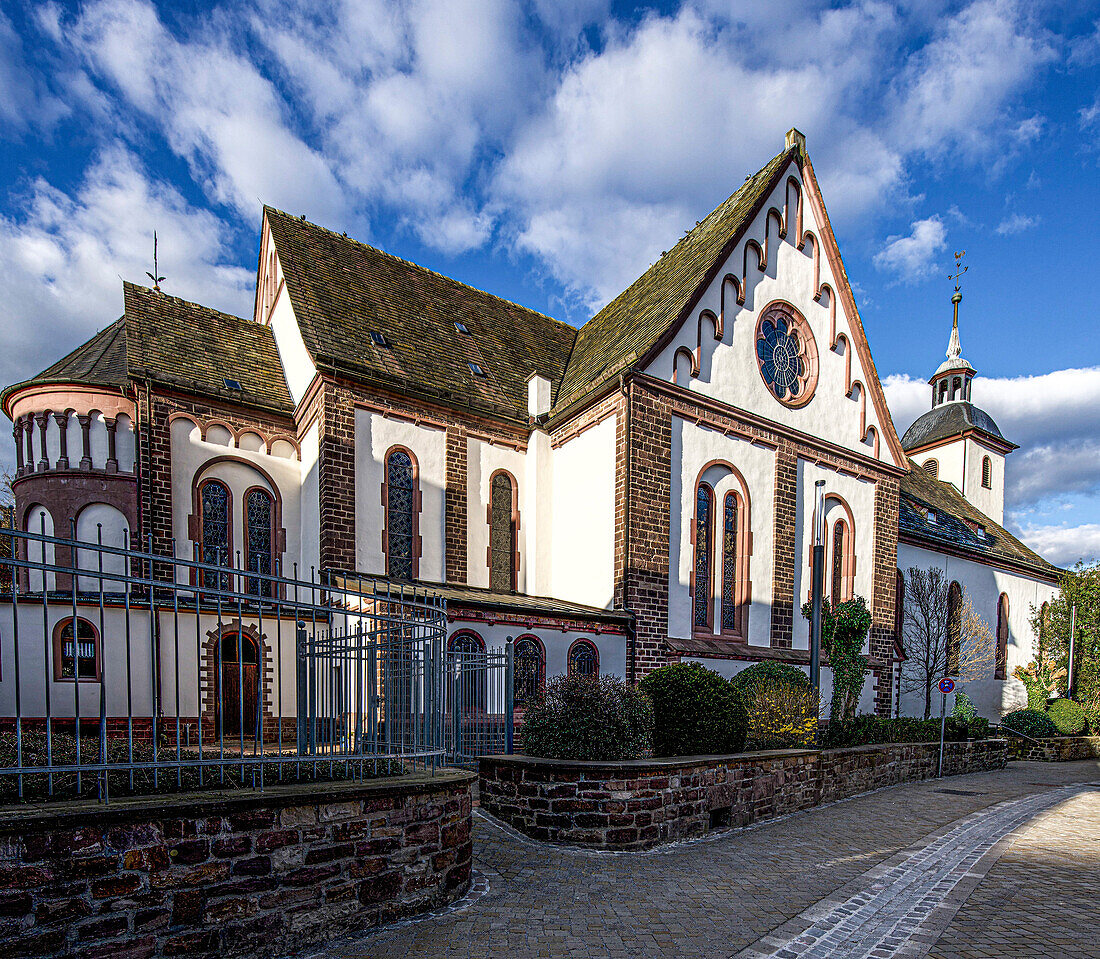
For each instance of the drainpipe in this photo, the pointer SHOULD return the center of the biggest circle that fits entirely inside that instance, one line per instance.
(632, 633)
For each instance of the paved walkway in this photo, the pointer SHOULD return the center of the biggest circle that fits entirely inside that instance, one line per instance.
(1002, 864)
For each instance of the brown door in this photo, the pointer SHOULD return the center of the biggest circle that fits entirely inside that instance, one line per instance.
(238, 682)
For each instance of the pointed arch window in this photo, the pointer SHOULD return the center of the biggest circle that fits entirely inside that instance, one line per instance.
(529, 670)
(259, 511)
(899, 615)
(401, 499)
(837, 577)
(702, 605)
(1002, 638)
(987, 472)
(731, 519)
(503, 523)
(215, 513)
(583, 659)
(954, 627)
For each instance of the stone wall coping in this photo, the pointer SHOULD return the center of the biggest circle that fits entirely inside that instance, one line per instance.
(687, 762)
(127, 809)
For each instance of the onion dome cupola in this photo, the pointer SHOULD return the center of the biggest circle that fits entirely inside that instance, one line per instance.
(955, 441)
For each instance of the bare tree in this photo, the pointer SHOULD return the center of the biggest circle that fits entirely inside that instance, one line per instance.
(943, 635)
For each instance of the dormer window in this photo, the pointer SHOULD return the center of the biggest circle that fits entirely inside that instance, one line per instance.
(930, 516)
(477, 370)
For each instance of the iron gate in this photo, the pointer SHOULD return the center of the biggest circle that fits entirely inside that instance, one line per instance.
(477, 704)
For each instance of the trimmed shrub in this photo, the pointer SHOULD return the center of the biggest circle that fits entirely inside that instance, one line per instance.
(769, 673)
(978, 728)
(964, 708)
(872, 730)
(1067, 716)
(695, 711)
(583, 717)
(1030, 722)
(781, 716)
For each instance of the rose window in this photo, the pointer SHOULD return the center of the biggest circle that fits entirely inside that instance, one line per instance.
(787, 355)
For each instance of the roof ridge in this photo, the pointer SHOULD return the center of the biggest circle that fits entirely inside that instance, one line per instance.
(189, 303)
(343, 237)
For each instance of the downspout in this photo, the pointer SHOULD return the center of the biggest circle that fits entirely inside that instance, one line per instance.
(632, 639)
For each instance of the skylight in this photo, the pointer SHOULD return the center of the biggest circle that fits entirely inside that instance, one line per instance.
(378, 339)
(477, 370)
(461, 327)
(232, 384)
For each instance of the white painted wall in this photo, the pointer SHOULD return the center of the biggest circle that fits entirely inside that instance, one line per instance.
(728, 369)
(537, 505)
(860, 496)
(39, 520)
(298, 365)
(583, 510)
(191, 455)
(95, 521)
(990, 501)
(984, 585)
(482, 460)
(311, 504)
(693, 447)
(375, 435)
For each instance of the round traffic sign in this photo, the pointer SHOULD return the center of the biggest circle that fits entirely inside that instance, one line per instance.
(947, 686)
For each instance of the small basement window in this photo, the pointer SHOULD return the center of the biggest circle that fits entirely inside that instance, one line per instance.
(378, 339)
(461, 327)
(477, 370)
(231, 384)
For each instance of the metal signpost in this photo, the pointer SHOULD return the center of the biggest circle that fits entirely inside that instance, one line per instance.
(947, 685)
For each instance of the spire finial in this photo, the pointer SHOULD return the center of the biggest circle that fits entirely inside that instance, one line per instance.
(155, 275)
(954, 349)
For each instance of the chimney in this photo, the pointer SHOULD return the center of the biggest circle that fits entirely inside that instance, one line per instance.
(538, 395)
(796, 139)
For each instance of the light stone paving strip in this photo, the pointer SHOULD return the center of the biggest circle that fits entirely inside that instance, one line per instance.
(906, 902)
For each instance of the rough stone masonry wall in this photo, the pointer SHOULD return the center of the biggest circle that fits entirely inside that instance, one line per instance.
(634, 805)
(1062, 749)
(208, 875)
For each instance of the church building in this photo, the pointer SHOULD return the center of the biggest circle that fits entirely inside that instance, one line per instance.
(635, 492)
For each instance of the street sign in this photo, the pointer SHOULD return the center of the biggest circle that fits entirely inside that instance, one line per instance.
(947, 686)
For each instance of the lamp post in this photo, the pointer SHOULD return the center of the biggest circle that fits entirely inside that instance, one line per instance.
(1072, 632)
(817, 586)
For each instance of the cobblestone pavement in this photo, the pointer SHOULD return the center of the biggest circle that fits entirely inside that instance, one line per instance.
(999, 864)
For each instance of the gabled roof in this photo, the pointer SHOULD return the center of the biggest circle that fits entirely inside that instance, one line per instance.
(175, 343)
(643, 313)
(957, 525)
(948, 420)
(341, 290)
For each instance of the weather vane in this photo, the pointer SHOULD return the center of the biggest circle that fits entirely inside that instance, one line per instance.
(959, 268)
(155, 275)
(954, 350)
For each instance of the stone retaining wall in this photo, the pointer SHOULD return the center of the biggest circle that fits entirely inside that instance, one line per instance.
(212, 874)
(1058, 750)
(633, 805)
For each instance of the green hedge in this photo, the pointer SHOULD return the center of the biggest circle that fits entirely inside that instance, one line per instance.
(869, 730)
(589, 718)
(1031, 722)
(1068, 717)
(770, 673)
(695, 711)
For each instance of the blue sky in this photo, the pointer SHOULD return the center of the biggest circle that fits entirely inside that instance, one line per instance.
(549, 150)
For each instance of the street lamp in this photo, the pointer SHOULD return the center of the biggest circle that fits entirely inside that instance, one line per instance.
(817, 586)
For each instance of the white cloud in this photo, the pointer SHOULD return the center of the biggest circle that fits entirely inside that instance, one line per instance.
(1016, 223)
(24, 101)
(62, 256)
(913, 256)
(1064, 545)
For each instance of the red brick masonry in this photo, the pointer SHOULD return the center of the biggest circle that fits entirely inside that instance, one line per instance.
(216, 874)
(634, 805)
(1061, 749)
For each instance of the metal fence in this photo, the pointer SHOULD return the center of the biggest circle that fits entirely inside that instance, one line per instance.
(123, 669)
(478, 704)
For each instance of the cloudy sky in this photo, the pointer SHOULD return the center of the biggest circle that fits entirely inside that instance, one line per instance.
(548, 150)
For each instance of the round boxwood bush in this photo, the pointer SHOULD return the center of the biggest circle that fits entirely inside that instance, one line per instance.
(1067, 716)
(695, 711)
(582, 717)
(770, 673)
(1030, 722)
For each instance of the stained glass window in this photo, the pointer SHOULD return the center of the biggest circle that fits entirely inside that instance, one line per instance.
(840, 546)
(704, 497)
(80, 662)
(529, 670)
(215, 532)
(954, 628)
(729, 562)
(502, 535)
(1002, 638)
(399, 515)
(258, 515)
(583, 659)
(786, 355)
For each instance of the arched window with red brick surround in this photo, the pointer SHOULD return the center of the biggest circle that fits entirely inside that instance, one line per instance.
(215, 531)
(702, 575)
(401, 499)
(1002, 638)
(259, 517)
(76, 658)
(529, 669)
(583, 659)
